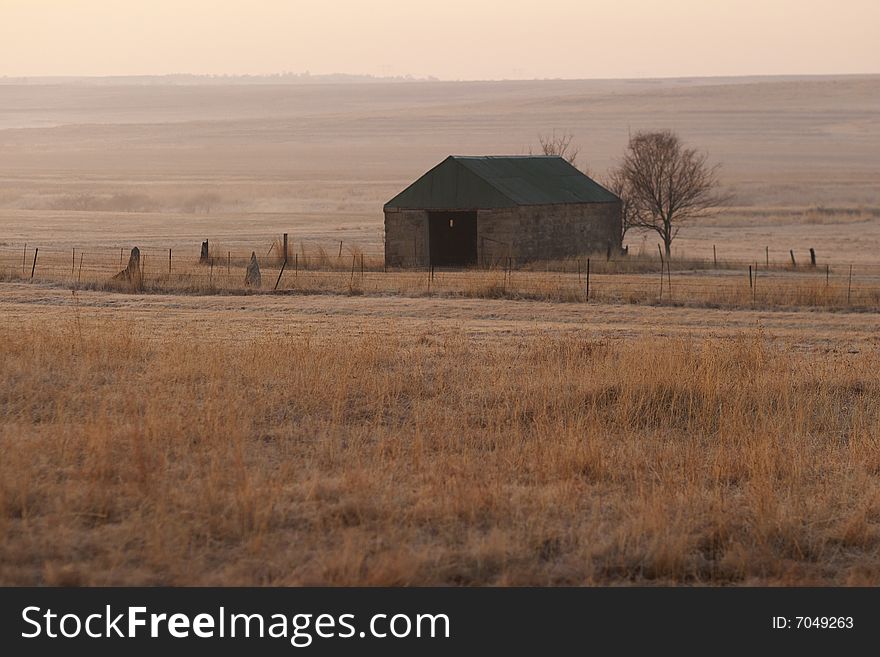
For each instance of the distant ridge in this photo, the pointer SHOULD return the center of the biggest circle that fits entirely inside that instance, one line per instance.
(207, 80)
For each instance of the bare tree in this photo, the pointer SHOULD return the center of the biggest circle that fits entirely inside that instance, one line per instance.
(561, 145)
(666, 184)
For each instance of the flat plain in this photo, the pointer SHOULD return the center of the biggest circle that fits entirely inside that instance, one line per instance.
(397, 436)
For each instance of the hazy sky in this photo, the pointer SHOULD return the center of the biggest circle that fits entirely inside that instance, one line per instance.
(451, 39)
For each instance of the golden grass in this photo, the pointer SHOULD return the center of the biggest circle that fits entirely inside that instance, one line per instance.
(699, 287)
(416, 459)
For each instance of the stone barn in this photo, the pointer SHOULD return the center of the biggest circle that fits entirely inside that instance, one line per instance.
(484, 210)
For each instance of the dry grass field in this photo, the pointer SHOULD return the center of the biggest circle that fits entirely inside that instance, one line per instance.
(483, 428)
(218, 440)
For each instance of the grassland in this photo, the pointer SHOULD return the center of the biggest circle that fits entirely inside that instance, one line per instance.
(425, 456)
(479, 428)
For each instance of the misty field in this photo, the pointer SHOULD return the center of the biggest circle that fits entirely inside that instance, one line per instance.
(420, 457)
(391, 428)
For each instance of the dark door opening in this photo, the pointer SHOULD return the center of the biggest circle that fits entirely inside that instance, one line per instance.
(452, 238)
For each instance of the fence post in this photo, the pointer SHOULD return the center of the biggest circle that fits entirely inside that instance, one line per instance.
(362, 266)
(23, 259)
(169, 262)
(848, 286)
(750, 277)
(73, 262)
(588, 279)
(79, 275)
(714, 256)
(767, 256)
(340, 249)
(793, 261)
(228, 262)
(284, 237)
(827, 275)
(295, 264)
(278, 280)
(34, 267)
(812, 257)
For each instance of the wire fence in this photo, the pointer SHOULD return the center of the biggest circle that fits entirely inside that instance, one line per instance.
(349, 269)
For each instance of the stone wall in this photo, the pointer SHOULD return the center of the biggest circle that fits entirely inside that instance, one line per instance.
(525, 233)
(547, 232)
(406, 238)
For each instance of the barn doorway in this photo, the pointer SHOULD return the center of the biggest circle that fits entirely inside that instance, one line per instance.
(452, 238)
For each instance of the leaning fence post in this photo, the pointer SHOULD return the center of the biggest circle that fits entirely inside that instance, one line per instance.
(793, 262)
(750, 277)
(812, 257)
(34, 267)
(278, 280)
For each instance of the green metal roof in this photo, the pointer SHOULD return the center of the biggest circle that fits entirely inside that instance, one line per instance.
(477, 183)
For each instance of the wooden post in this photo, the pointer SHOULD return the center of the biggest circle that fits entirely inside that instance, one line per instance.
(34, 267)
(750, 277)
(295, 264)
(228, 261)
(827, 274)
(79, 275)
(278, 280)
(767, 256)
(714, 256)
(73, 261)
(579, 271)
(848, 286)
(793, 262)
(755, 286)
(812, 257)
(340, 249)
(284, 238)
(362, 266)
(169, 262)
(588, 279)
(23, 259)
